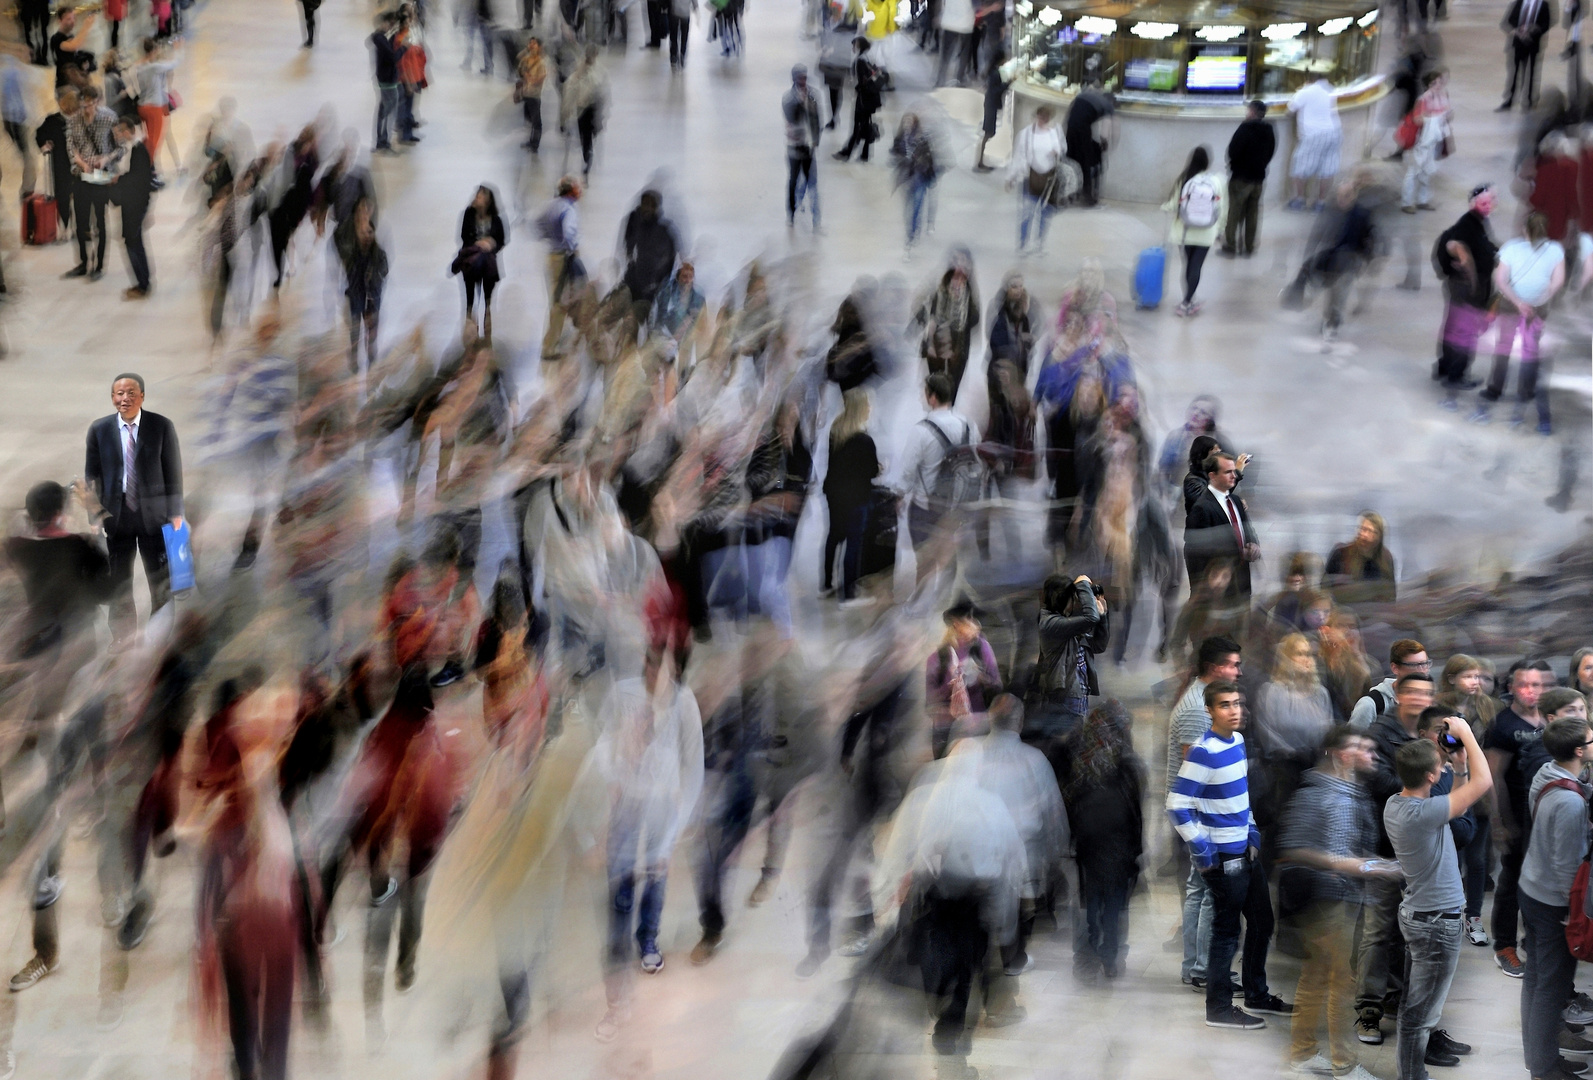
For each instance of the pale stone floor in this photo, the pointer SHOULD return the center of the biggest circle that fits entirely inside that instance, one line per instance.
(1356, 427)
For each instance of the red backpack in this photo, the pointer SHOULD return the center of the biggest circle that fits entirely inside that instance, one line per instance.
(1579, 919)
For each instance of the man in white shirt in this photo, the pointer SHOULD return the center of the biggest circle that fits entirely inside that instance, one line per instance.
(1036, 153)
(1318, 136)
(922, 459)
(1531, 271)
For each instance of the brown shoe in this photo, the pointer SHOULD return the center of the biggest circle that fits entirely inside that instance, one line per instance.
(763, 889)
(134, 293)
(705, 949)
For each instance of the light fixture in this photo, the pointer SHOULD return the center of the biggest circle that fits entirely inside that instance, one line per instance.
(1154, 30)
(1283, 31)
(1092, 24)
(1334, 26)
(1219, 33)
(1049, 16)
(1025, 8)
(1368, 19)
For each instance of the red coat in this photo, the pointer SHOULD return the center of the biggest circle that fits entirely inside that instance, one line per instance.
(1555, 193)
(115, 10)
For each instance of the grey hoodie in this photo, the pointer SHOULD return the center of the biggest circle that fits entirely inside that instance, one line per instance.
(1559, 839)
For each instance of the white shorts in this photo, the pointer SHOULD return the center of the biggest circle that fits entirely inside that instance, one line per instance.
(1316, 155)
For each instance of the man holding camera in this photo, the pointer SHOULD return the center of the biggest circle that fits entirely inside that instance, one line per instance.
(134, 467)
(1431, 915)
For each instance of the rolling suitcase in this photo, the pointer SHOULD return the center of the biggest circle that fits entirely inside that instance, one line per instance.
(1149, 271)
(38, 219)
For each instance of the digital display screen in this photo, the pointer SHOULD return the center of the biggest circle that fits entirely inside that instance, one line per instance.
(1145, 74)
(1216, 72)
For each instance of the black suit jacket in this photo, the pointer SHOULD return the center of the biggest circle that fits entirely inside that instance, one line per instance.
(134, 187)
(1208, 535)
(160, 472)
(1540, 25)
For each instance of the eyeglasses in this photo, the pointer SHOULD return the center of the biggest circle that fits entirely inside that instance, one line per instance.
(1424, 665)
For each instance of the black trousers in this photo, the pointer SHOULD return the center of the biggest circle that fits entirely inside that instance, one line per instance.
(657, 22)
(90, 201)
(309, 21)
(1087, 152)
(151, 549)
(862, 132)
(954, 941)
(133, 240)
(1523, 72)
(799, 167)
(1194, 259)
(679, 34)
(586, 128)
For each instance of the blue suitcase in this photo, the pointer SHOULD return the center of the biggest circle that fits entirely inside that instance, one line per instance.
(1149, 271)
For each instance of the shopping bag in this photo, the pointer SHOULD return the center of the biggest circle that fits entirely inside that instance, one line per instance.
(179, 556)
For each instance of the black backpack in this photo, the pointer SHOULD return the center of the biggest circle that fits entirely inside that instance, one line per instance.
(962, 472)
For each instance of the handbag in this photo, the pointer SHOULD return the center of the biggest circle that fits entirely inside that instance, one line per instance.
(174, 100)
(1039, 182)
(1405, 134)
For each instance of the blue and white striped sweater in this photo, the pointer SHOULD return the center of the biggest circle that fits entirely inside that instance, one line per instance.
(1210, 800)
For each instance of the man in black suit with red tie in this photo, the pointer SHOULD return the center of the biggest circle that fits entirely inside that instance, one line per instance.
(134, 466)
(1218, 527)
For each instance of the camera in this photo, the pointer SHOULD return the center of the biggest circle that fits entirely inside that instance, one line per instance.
(1449, 743)
(1098, 590)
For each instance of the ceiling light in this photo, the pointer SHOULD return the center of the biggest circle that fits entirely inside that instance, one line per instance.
(1154, 30)
(1093, 24)
(1049, 16)
(1334, 26)
(1219, 33)
(1025, 8)
(1283, 31)
(1368, 19)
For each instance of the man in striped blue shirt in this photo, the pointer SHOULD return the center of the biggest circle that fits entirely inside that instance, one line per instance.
(1210, 807)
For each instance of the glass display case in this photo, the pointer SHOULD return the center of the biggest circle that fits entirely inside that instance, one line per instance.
(1171, 53)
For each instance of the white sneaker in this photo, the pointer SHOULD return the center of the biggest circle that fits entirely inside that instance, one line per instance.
(1360, 1072)
(1315, 1065)
(1478, 936)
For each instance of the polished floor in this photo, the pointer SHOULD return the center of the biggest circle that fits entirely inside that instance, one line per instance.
(1356, 426)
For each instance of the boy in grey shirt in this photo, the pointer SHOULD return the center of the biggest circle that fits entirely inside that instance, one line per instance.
(1430, 916)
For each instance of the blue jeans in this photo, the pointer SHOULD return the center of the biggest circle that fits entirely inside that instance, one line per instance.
(1432, 951)
(386, 106)
(406, 113)
(917, 197)
(627, 828)
(1032, 212)
(1243, 894)
(1197, 924)
(1546, 983)
(729, 796)
(1105, 907)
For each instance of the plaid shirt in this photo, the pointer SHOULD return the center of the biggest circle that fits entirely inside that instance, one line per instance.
(1334, 816)
(90, 142)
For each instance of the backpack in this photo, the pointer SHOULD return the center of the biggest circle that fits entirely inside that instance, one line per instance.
(962, 472)
(1578, 922)
(1197, 203)
(1379, 702)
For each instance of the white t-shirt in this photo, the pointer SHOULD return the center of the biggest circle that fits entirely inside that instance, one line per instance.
(957, 16)
(1314, 111)
(1531, 268)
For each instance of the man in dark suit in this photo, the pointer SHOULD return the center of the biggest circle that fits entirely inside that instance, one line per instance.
(1217, 526)
(134, 465)
(1526, 22)
(132, 191)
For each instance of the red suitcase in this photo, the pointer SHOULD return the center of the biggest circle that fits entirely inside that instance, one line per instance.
(38, 219)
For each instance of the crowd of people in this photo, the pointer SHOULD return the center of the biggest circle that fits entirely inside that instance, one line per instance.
(411, 623)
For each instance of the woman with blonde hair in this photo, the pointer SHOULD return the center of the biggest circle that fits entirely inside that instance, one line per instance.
(1464, 687)
(1294, 711)
(848, 489)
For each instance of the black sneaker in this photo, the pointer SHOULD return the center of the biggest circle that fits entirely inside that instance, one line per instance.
(1442, 1040)
(1272, 1003)
(1197, 983)
(1233, 1018)
(1437, 1057)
